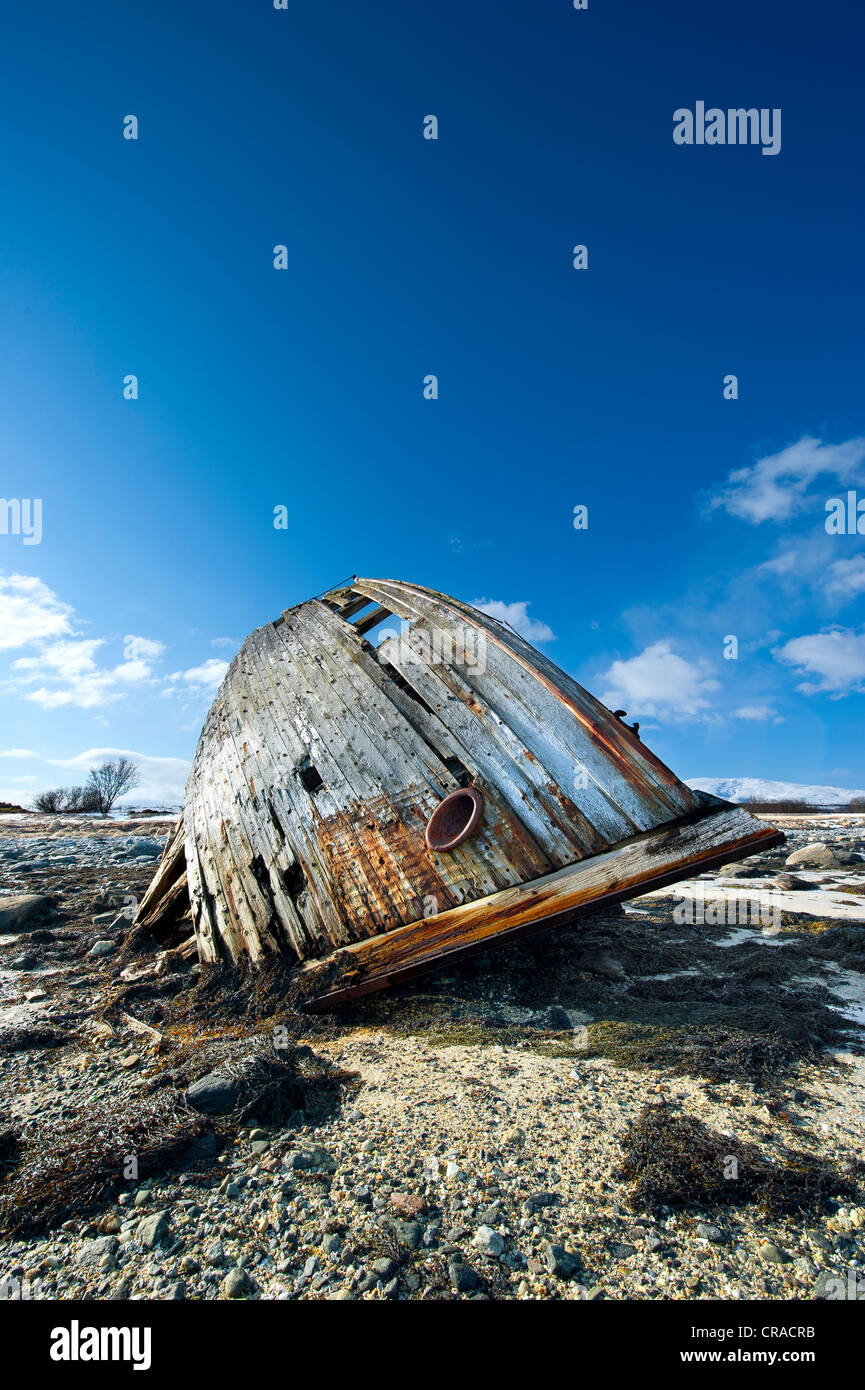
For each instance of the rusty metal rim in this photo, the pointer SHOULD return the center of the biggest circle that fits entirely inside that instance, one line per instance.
(441, 814)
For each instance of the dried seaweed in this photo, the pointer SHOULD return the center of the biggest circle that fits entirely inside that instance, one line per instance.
(673, 1160)
(72, 1171)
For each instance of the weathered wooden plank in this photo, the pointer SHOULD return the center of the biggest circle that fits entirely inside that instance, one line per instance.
(167, 898)
(543, 724)
(643, 783)
(691, 845)
(502, 759)
(295, 806)
(370, 620)
(547, 841)
(368, 696)
(391, 802)
(366, 783)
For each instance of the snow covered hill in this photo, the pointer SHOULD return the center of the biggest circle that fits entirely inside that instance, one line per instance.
(760, 789)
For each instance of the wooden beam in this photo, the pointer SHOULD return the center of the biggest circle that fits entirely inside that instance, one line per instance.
(371, 620)
(713, 835)
(354, 605)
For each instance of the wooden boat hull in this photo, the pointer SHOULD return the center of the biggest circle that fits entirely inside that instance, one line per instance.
(322, 819)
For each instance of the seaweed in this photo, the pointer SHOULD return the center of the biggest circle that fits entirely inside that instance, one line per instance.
(74, 1170)
(677, 1161)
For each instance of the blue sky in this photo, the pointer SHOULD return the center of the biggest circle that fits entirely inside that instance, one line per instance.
(557, 387)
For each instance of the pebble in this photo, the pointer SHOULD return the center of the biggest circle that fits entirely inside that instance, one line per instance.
(488, 1241)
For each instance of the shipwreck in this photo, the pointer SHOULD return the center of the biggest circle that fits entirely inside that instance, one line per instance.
(390, 780)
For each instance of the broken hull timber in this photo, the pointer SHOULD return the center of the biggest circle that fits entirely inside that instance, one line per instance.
(717, 835)
(374, 812)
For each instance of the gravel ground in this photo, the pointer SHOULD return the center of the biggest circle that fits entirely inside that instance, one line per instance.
(461, 1137)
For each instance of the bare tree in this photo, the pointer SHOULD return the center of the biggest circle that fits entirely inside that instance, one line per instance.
(80, 800)
(112, 779)
(50, 802)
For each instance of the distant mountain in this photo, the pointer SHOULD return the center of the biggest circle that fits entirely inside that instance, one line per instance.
(759, 789)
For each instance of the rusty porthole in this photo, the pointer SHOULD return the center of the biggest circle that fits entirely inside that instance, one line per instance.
(454, 819)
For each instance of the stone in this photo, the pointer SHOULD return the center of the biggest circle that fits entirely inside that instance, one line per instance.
(214, 1252)
(407, 1204)
(600, 963)
(536, 1201)
(102, 948)
(308, 1159)
(621, 1251)
(564, 1264)
(463, 1278)
(384, 1269)
(491, 1215)
(773, 1253)
(408, 1233)
(92, 1252)
(341, 1296)
(706, 1231)
(152, 1230)
(214, 1094)
(331, 1243)
(488, 1241)
(822, 1242)
(814, 856)
(236, 1283)
(22, 911)
(791, 883)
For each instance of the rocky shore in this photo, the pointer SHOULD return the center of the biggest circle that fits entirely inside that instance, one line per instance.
(523, 1128)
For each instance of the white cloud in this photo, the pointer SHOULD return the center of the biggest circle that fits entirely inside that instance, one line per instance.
(516, 616)
(757, 713)
(17, 753)
(141, 648)
(30, 612)
(64, 670)
(835, 655)
(811, 562)
(659, 682)
(846, 578)
(75, 677)
(208, 676)
(776, 486)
